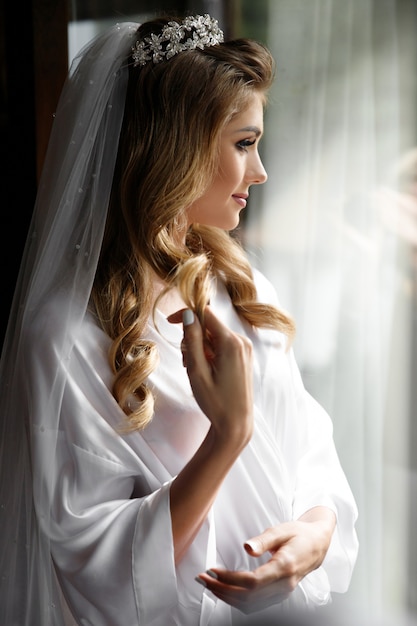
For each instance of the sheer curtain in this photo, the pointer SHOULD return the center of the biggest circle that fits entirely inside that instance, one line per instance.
(330, 230)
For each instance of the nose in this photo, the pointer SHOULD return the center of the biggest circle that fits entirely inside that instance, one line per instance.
(256, 173)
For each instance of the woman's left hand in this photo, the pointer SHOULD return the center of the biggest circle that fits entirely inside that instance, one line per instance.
(296, 549)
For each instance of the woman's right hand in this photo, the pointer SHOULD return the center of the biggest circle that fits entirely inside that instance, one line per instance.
(219, 366)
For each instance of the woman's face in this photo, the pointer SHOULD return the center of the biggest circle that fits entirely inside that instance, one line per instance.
(239, 167)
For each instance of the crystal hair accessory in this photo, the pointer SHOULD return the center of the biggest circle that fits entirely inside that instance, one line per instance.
(173, 39)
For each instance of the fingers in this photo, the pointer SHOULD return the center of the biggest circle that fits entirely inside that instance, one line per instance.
(192, 345)
(247, 591)
(269, 583)
(213, 327)
(220, 337)
(219, 367)
(226, 345)
(220, 346)
(277, 569)
(270, 540)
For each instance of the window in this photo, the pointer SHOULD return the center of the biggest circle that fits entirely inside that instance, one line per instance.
(335, 230)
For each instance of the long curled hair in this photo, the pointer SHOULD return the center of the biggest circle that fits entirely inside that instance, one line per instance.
(167, 155)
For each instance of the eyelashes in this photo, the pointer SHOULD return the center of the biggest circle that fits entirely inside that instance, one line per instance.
(245, 143)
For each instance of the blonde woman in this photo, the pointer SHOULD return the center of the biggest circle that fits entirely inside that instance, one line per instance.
(179, 471)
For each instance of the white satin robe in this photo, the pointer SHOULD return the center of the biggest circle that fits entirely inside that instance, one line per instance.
(108, 493)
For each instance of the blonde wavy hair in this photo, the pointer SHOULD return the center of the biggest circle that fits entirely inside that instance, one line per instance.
(167, 155)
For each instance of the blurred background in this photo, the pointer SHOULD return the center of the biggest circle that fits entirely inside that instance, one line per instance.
(334, 229)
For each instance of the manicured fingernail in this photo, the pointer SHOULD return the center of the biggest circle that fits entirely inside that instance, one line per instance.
(212, 574)
(187, 317)
(199, 580)
(252, 545)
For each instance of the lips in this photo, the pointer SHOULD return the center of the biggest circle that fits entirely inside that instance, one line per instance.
(240, 198)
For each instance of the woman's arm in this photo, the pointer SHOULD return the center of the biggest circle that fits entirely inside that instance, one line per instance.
(220, 372)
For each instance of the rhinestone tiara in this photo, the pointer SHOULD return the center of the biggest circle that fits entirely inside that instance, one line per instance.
(173, 39)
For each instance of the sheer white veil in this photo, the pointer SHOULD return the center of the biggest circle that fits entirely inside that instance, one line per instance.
(60, 257)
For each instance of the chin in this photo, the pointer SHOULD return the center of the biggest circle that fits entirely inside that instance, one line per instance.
(230, 224)
(234, 225)
(223, 224)
(228, 227)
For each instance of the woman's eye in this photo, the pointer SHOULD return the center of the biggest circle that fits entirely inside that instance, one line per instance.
(245, 143)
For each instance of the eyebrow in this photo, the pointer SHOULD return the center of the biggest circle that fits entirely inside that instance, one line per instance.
(250, 129)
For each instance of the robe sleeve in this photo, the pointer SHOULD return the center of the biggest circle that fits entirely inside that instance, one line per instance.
(319, 478)
(103, 504)
(320, 481)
